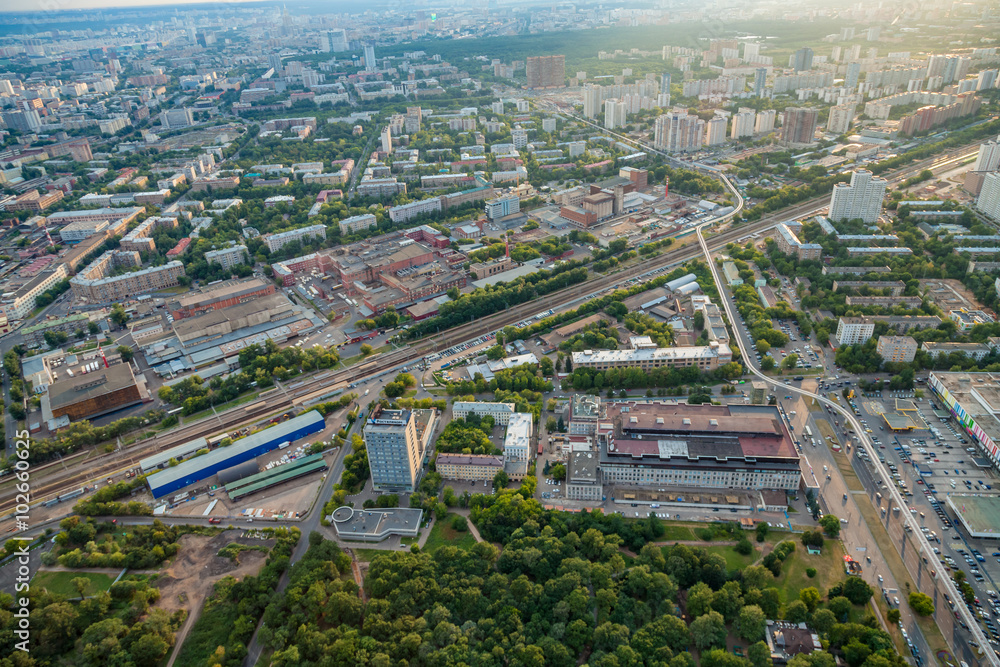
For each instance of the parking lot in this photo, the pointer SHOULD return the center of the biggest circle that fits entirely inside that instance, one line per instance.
(928, 464)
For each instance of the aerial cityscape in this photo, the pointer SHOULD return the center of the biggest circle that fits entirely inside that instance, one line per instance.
(500, 334)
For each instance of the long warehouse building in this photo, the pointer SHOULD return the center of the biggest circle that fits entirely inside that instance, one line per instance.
(194, 470)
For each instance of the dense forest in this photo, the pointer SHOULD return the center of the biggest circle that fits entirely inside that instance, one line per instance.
(561, 592)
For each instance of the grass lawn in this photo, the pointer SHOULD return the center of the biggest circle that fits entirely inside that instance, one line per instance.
(239, 400)
(61, 583)
(677, 532)
(841, 457)
(442, 534)
(734, 560)
(368, 555)
(829, 570)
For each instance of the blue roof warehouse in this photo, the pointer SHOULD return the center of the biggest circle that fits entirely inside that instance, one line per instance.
(250, 447)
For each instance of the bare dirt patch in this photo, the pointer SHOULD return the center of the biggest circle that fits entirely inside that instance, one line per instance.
(191, 577)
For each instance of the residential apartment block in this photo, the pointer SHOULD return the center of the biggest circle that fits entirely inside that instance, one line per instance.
(896, 349)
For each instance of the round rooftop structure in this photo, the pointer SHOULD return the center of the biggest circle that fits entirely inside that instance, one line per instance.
(343, 513)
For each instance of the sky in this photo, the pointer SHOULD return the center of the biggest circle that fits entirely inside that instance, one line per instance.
(69, 5)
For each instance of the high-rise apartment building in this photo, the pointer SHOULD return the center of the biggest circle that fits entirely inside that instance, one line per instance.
(989, 197)
(715, 131)
(592, 98)
(743, 123)
(22, 121)
(333, 40)
(765, 122)
(393, 449)
(370, 64)
(546, 71)
(986, 79)
(802, 59)
(853, 73)
(386, 140)
(798, 126)
(862, 198)
(615, 114)
(677, 131)
(841, 117)
(989, 156)
(759, 81)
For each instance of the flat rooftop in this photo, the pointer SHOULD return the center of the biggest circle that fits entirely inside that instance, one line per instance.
(92, 385)
(375, 524)
(980, 513)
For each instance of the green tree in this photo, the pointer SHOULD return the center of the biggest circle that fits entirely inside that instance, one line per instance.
(500, 480)
(559, 472)
(921, 603)
(759, 654)
(708, 631)
(830, 524)
(751, 622)
(797, 612)
(810, 597)
(126, 353)
(118, 315)
(767, 363)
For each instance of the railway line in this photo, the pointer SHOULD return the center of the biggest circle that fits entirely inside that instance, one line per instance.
(64, 479)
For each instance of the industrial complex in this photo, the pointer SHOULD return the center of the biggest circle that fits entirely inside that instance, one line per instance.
(196, 469)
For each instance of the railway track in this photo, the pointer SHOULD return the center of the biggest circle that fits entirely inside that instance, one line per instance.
(63, 481)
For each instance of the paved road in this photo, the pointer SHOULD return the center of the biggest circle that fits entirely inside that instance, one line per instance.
(910, 544)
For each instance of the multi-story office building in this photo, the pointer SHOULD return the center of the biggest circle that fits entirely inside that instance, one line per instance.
(862, 198)
(502, 206)
(406, 212)
(517, 441)
(798, 126)
(227, 257)
(500, 412)
(645, 355)
(468, 467)
(22, 302)
(678, 132)
(546, 71)
(174, 118)
(701, 446)
(854, 330)
(276, 241)
(896, 349)
(393, 450)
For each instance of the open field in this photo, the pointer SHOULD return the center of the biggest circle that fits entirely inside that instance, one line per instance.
(61, 583)
(443, 535)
